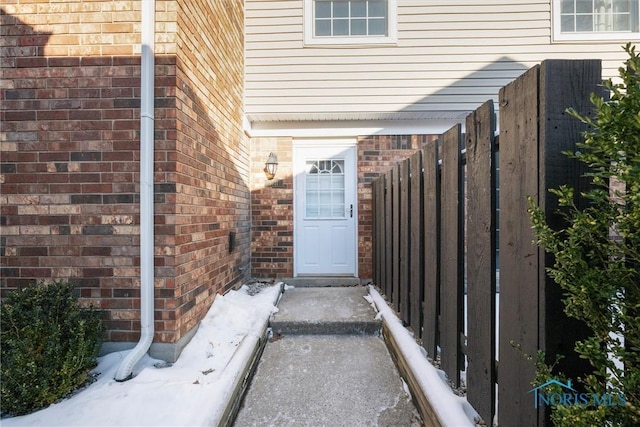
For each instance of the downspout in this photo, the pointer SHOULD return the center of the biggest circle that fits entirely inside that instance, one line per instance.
(146, 193)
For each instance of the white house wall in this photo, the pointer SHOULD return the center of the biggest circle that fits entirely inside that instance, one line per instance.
(450, 56)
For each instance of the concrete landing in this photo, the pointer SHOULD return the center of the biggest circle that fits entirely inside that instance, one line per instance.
(325, 311)
(326, 365)
(326, 381)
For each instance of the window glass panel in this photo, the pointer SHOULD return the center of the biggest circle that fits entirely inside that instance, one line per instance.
(584, 23)
(584, 6)
(567, 24)
(340, 9)
(377, 8)
(377, 27)
(323, 9)
(341, 27)
(621, 6)
(567, 6)
(312, 183)
(323, 28)
(358, 8)
(359, 27)
(621, 23)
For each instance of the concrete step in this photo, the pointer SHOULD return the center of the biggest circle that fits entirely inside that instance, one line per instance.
(325, 311)
(321, 282)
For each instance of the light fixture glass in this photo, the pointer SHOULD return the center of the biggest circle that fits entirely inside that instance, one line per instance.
(271, 166)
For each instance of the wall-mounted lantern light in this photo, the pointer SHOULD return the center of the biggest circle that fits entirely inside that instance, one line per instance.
(271, 166)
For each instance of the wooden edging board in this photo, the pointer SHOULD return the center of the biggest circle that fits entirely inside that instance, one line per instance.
(428, 414)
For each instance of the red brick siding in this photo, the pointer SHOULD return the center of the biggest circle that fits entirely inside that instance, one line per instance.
(70, 157)
(212, 194)
(272, 209)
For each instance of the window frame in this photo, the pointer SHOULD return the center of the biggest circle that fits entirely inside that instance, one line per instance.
(311, 40)
(558, 36)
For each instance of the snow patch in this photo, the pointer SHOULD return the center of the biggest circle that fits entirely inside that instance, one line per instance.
(450, 409)
(194, 391)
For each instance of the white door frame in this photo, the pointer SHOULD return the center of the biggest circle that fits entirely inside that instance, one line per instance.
(319, 143)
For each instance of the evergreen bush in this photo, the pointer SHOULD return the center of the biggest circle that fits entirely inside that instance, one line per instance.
(49, 345)
(597, 254)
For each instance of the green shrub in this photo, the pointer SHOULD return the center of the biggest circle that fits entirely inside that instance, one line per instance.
(49, 345)
(597, 255)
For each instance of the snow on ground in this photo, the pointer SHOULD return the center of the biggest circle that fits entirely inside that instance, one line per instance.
(450, 409)
(192, 392)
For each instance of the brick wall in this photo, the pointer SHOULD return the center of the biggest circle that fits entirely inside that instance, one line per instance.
(70, 156)
(272, 209)
(212, 157)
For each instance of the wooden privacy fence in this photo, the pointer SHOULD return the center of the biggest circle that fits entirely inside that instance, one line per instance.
(436, 240)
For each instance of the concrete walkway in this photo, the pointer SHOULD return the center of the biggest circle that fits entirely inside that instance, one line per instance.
(326, 365)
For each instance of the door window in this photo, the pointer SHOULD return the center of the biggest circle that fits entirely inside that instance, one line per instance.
(324, 189)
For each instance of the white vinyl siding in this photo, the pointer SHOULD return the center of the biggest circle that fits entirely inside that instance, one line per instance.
(450, 56)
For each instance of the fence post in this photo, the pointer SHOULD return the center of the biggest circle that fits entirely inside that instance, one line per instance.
(481, 260)
(451, 290)
(531, 315)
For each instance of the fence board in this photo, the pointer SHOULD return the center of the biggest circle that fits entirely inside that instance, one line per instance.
(431, 225)
(481, 262)
(388, 231)
(534, 132)
(451, 247)
(396, 237)
(518, 253)
(563, 84)
(405, 240)
(415, 254)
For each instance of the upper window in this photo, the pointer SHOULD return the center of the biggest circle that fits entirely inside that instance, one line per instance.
(350, 21)
(595, 19)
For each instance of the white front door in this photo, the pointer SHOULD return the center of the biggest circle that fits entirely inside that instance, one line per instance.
(324, 209)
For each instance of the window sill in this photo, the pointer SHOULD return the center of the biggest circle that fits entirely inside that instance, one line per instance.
(350, 41)
(595, 37)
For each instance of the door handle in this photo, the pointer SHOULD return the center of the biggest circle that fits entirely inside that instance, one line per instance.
(351, 211)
